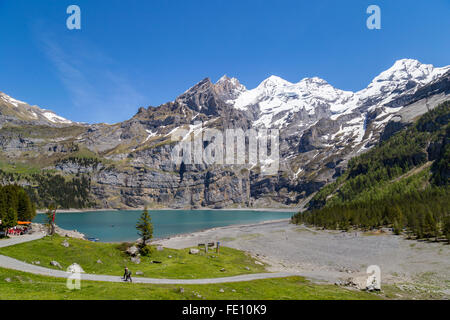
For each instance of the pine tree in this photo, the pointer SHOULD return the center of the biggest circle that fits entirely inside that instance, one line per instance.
(25, 209)
(430, 225)
(145, 229)
(10, 219)
(446, 228)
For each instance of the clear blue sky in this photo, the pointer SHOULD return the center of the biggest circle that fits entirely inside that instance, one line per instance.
(139, 53)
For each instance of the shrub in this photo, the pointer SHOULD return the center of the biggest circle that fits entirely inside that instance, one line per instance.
(146, 251)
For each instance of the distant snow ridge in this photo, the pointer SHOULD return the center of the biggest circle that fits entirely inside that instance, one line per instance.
(277, 98)
(10, 100)
(34, 112)
(51, 116)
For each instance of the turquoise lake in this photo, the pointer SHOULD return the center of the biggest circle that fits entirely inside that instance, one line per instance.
(115, 226)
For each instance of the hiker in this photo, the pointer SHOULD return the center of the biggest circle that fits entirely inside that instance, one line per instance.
(127, 275)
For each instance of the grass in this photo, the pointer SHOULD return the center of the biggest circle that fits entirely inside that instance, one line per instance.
(18, 167)
(15, 285)
(180, 264)
(24, 286)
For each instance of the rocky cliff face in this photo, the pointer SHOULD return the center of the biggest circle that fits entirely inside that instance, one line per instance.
(320, 127)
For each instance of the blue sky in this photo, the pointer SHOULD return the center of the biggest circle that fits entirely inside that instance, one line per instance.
(140, 53)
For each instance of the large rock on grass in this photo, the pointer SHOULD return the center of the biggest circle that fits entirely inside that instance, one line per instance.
(194, 251)
(133, 251)
(55, 264)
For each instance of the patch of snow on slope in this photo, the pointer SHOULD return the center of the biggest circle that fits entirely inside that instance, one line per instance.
(300, 169)
(10, 100)
(150, 134)
(54, 117)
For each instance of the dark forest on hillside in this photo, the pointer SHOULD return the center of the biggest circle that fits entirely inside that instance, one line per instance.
(403, 182)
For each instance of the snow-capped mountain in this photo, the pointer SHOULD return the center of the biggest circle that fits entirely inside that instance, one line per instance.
(321, 127)
(13, 110)
(277, 98)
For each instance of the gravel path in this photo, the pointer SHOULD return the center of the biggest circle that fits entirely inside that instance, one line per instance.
(21, 239)
(10, 263)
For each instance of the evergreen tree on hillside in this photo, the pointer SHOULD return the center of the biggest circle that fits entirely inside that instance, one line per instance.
(392, 184)
(10, 219)
(145, 230)
(14, 205)
(446, 229)
(25, 209)
(429, 225)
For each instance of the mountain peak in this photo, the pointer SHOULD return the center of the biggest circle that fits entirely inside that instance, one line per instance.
(10, 100)
(410, 69)
(224, 78)
(409, 63)
(313, 80)
(229, 88)
(273, 81)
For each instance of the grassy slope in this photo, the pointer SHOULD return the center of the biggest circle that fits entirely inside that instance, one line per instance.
(23, 286)
(181, 265)
(19, 285)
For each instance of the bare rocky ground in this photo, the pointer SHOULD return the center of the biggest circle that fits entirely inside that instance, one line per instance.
(40, 228)
(409, 268)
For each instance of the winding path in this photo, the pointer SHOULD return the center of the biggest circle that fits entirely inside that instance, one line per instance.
(10, 263)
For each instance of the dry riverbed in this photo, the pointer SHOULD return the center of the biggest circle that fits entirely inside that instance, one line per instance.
(411, 267)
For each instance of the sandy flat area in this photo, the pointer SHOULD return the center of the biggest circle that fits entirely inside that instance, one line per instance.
(332, 256)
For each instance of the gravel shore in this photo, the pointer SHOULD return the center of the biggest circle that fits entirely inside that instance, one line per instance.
(41, 228)
(332, 256)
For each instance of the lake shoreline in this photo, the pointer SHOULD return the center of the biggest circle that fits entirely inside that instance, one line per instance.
(332, 256)
(231, 226)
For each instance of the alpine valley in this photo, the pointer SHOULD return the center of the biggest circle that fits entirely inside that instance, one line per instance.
(129, 165)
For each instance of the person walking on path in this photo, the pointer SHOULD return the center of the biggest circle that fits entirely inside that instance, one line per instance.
(126, 275)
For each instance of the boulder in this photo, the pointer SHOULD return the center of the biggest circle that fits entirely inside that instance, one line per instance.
(55, 264)
(221, 290)
(373, 285)
(133, 251)
(139, 273)
(65, 244)
(99, 261)
(136, 260)
(194, 251)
